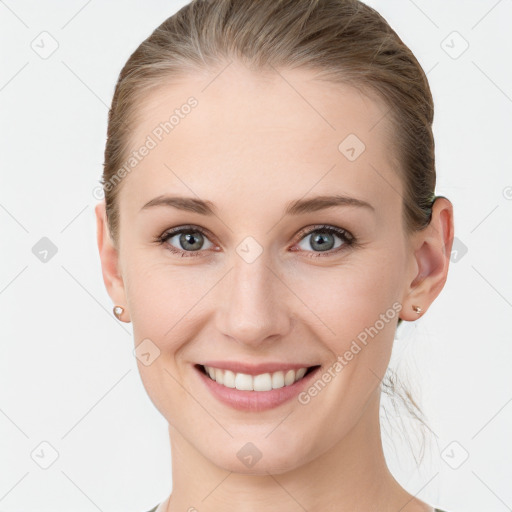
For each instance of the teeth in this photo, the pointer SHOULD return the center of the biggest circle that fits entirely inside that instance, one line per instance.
(262, 382)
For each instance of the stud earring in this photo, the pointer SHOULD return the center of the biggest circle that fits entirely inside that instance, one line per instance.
(118, 311)
(416, 309)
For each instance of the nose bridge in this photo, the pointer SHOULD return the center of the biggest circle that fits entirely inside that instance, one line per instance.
(253, 307)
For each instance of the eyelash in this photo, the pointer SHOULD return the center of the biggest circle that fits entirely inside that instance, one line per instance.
(347, 238)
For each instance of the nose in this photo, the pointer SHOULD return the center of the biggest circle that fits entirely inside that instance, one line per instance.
(253, 306)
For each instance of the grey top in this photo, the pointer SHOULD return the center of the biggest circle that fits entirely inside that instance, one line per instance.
(156, 506)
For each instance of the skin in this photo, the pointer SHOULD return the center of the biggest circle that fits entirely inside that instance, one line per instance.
(251, 146)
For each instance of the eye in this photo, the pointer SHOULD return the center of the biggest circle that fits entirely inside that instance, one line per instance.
(187, 240)
(322, 239)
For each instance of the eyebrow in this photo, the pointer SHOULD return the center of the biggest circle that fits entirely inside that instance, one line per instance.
(297, 207)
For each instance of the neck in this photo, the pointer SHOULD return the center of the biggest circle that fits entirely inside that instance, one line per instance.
(352, 475)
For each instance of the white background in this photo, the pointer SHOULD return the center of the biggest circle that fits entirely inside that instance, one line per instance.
(67, 372)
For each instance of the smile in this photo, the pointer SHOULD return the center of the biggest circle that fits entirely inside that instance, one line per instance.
(261, 382)
(255, 387)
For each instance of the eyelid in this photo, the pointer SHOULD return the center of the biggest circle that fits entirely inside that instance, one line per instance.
(187, 228)
(325, 227)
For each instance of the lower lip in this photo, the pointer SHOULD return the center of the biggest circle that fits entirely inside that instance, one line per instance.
(255, 400)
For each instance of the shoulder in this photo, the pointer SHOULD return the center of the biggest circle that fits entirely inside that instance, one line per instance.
(156, 506)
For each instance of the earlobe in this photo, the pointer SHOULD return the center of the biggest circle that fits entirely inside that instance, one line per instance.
(432, 259)
(109, 257)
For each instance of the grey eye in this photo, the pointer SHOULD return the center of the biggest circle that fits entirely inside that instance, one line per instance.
(320, 240)
(190, 241)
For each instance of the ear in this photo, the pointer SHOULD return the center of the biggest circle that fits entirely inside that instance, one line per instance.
(432, 248)
(109, 256)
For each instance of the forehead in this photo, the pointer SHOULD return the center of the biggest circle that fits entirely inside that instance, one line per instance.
(263, 134)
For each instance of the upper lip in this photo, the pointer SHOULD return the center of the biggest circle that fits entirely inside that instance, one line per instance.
(255, 369)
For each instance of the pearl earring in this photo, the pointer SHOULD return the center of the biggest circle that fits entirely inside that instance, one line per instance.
(118, 311)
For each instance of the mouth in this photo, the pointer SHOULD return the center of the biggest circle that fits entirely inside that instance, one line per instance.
(259, 382)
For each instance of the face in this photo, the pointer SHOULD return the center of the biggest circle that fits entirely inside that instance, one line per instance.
(261, 271)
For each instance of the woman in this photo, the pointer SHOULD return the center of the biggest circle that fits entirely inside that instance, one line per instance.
(269, 219)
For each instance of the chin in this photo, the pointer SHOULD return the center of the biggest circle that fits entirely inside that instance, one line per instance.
(260, 457)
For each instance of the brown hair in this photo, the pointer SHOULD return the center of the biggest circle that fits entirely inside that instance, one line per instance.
(344, 41)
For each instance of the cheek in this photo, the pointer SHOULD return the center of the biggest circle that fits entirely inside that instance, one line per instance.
(166, 303)
(352, 295)
(357, 305)
(357, 302)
